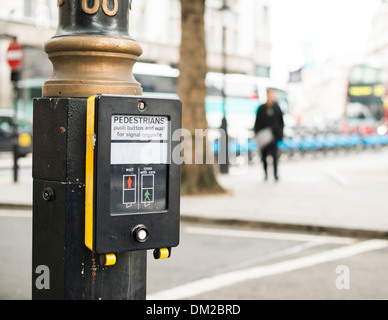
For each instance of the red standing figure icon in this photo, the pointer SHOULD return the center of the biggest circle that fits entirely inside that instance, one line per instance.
(129, 181)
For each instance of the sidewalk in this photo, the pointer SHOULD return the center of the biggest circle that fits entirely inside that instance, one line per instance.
(15, 195)
(343, 194)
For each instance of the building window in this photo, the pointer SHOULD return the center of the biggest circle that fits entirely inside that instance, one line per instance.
(29, 8)
(263, 71)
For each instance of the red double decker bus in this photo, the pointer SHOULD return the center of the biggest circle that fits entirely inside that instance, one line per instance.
(367, 104)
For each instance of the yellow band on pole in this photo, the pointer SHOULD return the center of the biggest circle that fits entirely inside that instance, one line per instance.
(89, 172)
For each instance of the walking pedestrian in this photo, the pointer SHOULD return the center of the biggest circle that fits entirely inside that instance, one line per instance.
(269, 122)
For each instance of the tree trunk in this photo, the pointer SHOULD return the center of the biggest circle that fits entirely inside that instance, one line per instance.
(197, 178)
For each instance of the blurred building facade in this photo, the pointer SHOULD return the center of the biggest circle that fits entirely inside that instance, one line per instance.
(247, 38)
(155, 24)
(318, 97)
(32, 22)
(378, 43)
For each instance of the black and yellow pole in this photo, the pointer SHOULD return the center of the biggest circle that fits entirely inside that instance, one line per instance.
(92, 53)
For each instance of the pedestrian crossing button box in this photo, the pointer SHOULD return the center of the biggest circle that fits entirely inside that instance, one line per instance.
(132, 185)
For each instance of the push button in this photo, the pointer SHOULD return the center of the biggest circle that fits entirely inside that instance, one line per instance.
(140, 233)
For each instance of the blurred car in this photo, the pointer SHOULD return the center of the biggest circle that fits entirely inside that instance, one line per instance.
(24, 133)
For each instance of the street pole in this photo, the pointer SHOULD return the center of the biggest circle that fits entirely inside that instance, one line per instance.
(15, 75)
(91, 53)
(14, 58)
(224, 145)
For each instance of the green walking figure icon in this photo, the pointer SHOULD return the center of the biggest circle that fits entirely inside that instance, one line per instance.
(147, 195)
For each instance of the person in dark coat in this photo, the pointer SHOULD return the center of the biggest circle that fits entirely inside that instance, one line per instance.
(270, 115)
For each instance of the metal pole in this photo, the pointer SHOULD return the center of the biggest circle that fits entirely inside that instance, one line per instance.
(224, 145)
(15, 132)
(15, 77)
(91, 53)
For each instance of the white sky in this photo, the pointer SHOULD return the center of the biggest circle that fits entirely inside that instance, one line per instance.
(332, 27)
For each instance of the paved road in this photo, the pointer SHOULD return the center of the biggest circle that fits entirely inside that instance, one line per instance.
(15, 254)
(224, 263)
(230, 263)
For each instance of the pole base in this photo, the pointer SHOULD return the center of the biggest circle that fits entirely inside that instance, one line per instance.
(85, 65)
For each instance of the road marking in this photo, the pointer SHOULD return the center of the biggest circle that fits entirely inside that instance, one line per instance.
(268, 235)
(269, 256)
(16, 213)
(201, 286)
(338, 177)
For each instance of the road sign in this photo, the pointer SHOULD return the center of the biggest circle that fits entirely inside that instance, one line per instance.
(14, 55)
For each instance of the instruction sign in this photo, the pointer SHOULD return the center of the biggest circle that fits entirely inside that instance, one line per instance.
(140, 149)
